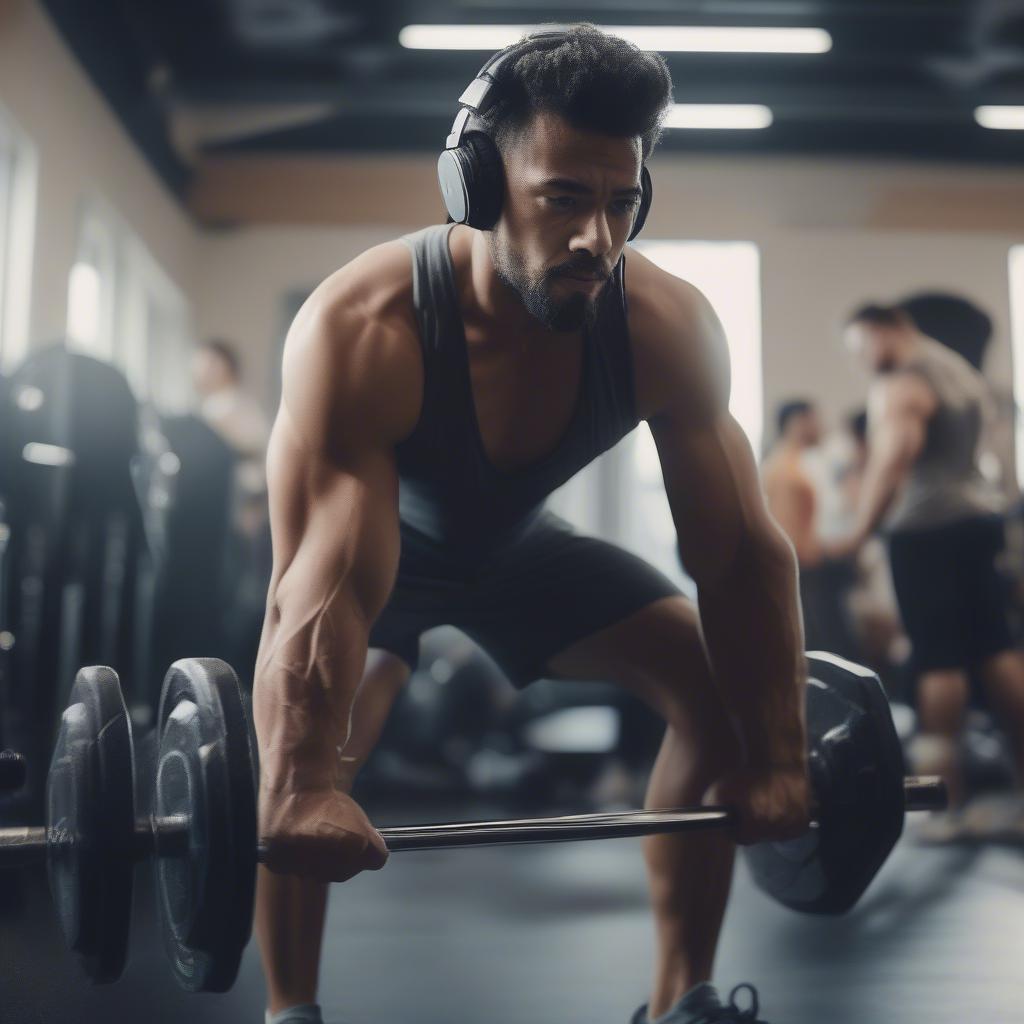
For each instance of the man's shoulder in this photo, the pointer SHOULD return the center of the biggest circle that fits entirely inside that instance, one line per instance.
(659, 302)
(355, 344)
(783, 470)
(676, 338)
(909, 390)
(376, 286)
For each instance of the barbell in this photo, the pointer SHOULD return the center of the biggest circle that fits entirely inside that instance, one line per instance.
(201, 833)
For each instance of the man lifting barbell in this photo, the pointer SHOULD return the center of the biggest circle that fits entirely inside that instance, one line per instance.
(429, 407)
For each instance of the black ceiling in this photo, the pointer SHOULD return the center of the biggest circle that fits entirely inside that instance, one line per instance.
(902, 79)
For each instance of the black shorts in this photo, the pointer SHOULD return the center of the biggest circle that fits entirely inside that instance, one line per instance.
(952, 600)
(523, 602)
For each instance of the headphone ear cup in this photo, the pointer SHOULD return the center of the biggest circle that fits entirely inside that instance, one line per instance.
(646, 196)
(485, 177)
(453, 185)
(472, 181)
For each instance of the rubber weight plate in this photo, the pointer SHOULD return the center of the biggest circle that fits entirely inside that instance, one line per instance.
(90, 821)
(205, 776)
(856, 770)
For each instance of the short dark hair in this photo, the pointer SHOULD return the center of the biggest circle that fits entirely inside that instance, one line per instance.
(879, 315)
(788, 410)
(225, 350)
(596, 81)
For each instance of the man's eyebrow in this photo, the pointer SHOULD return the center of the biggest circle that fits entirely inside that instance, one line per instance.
(579, 188)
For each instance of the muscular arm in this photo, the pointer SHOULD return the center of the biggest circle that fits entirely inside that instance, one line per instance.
(349, 394)
(898, 412)
(742, 564)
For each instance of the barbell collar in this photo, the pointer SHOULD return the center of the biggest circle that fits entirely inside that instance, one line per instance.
(925, 793)
(23, 846)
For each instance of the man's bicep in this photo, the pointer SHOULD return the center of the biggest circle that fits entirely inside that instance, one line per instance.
(714, 491)
(334, 524)
(899, 411)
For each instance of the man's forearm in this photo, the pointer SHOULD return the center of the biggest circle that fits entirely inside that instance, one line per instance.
(308, 673)
(882, 478)
(754, 638)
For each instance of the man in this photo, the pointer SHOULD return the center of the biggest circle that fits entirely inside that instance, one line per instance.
(430, 404)
(788, 488)
(925, 414)
(224, 404)
(793, 501)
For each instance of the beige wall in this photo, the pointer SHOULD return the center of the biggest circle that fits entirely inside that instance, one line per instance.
(82, 151)
(831, 234)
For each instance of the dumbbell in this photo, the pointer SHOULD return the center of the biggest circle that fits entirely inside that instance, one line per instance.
(202, 831)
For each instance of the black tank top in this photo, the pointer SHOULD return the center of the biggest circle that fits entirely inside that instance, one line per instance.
(449, 488)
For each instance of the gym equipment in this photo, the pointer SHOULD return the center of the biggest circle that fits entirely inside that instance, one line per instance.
(13, 771)
(855, 762)
(90, 811)
(202, 833)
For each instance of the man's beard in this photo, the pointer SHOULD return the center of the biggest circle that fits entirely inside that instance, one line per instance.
(576, 311)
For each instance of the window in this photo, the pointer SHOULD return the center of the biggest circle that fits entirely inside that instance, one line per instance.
(17, 216)
(92, 282)
(621, 496)
(122, 307)
(1017, 334)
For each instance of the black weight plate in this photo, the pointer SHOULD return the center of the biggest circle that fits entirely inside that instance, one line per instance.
(856, 768)
(205, 775)
(90, 824)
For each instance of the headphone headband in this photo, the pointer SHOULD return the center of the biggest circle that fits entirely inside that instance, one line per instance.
(480, 94)
(469, 169)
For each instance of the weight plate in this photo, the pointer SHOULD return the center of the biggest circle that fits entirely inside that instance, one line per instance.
(856, 769)
(90, 823)
(205, 777)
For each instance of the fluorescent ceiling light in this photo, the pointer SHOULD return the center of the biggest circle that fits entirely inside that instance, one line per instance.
(718, 115)
(47, 454)
(1006, 118)
(666, 38)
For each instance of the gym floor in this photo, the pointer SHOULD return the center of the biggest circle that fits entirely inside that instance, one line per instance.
(561, 933)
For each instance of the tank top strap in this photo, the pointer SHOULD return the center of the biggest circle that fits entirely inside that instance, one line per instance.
(434, 294)
(611, 384)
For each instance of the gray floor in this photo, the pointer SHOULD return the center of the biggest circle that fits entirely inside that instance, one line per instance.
(561, 934)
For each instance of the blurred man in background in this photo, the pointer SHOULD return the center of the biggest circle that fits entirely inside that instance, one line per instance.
(926, 408)
(793, 501)
(237, 417)
(788, 486)
(225, 405)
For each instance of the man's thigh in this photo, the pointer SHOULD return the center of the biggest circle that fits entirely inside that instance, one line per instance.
(657, 654)
(551, 589)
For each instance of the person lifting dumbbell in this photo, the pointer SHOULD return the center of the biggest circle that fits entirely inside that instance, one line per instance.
(435, 391)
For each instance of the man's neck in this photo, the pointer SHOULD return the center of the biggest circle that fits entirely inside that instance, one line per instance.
(495, 308)
(792, 447)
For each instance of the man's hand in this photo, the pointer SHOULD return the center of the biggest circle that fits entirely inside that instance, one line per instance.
(771, 804)
(318, 833)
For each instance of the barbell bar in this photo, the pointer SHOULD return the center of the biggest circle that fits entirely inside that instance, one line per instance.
(168, 836)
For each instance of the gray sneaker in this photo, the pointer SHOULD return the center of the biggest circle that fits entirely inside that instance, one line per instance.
(701, 1005)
